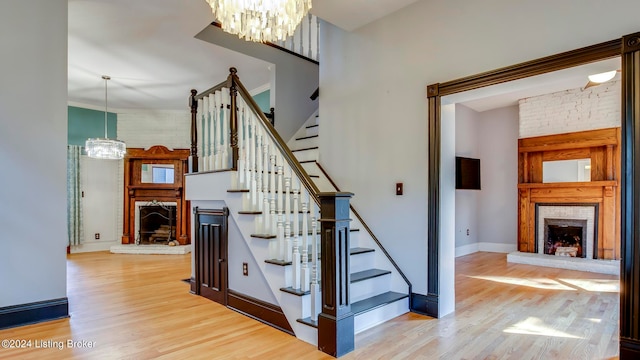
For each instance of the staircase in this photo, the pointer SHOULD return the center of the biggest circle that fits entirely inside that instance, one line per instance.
(378, 291)
(271, 199)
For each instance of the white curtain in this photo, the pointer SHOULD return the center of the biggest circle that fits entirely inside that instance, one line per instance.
(74, 195)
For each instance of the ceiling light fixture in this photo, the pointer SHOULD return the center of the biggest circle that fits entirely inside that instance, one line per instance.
(106, 148)
(602, 77)
(260, 20)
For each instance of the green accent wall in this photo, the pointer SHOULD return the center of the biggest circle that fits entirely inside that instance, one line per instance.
(263, 100)
(86, 123)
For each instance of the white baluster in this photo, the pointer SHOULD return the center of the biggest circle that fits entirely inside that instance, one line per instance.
(281, 241)
(241, 145)
(272, 176)
(287, 215)
(225, 135)
(266, 214)
(305, 272)
(316, 296)
(273, 216)
(265, 166)
(280, 193)
(259, 195)
(213, 131)
(288, 250)
(201, 134)
(309, 30)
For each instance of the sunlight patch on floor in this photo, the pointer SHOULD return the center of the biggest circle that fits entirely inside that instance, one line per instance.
(595, 285)
(535, 326)
(539, 283)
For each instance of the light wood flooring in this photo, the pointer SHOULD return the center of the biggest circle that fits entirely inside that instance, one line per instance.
(137, 307)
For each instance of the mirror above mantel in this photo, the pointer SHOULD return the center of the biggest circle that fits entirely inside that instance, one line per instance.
(157, 173)
(576, 170)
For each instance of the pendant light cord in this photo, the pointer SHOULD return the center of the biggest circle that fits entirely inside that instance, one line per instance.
(106, 78)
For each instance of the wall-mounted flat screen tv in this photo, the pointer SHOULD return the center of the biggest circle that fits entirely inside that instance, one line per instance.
(467, 173)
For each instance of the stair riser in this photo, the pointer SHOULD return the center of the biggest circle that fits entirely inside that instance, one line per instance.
(312, 131)
(360, 262)
(377, 316)
(305, 143)
(306, 155)
(370, 287)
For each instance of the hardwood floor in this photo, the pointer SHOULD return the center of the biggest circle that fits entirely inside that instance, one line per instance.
(137, 307)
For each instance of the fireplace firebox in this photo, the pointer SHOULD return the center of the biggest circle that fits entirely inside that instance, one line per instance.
(565, 237)
(157, 224)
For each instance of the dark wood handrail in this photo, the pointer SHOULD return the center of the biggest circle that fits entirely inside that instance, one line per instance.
(366, 227)
(224, 84)
(279, 143)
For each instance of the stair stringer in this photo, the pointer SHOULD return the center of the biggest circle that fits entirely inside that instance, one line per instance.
(213, 187)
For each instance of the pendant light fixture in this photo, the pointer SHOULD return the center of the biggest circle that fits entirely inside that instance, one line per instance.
(106, 148)
(260, 20)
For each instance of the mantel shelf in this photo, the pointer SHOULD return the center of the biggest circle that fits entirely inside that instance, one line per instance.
(568, 184)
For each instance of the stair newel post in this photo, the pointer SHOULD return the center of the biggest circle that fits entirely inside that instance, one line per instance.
(193, 156)
(233, 123)
(336, 322)
(296, 250)
(304, 273)
(287, 219)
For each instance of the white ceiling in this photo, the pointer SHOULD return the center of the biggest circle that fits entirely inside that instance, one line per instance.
(149, 50)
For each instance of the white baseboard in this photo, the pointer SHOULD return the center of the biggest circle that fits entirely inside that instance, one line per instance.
(93, 246)
(467, 249)
(484, 246)
(497, 247)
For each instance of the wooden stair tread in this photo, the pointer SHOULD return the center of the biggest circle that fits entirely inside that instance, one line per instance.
(307, 137)
(308, 321)
(360, 250)
(368, 274)
(273, 236)
(305, 149)
(362, 306)
(352, 251)
(293, 291)
(307, 161)
(249, 212)
(237, 190)
(374, 302)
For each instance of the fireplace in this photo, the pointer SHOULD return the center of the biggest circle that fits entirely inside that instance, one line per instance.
(567, 230)
(155, 222)
(565, 237)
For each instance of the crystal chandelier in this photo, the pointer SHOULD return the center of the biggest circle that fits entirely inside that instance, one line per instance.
(106, 148)
(260, 20)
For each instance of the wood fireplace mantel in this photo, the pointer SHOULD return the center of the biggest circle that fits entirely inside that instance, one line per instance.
(137, 191)
(603, 148)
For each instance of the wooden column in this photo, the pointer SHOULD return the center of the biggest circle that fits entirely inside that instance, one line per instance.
(630, 219)
(335, 323)
(193, 158)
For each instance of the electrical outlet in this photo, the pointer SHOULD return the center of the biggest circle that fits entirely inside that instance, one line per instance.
(97, 236)
(467, 232)
(245, 269)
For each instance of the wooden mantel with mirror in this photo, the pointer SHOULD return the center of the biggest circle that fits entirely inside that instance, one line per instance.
(155, 175)
(596, 183)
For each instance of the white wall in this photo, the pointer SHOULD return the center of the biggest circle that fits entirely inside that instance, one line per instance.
(597, 107)
(373, 93)
(467, 132)
(33, 140)
(498, 201)
(101, 188)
